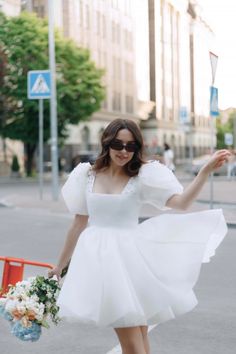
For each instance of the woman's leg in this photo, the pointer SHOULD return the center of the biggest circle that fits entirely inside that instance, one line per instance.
(131, 340)
(144, 330)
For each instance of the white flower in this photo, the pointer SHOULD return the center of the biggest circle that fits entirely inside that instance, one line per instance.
(56, 293)
(3, 301)
(21, 308)
(11, 305)
(35, 298)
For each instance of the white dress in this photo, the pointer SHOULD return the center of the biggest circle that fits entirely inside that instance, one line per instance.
(125, 274)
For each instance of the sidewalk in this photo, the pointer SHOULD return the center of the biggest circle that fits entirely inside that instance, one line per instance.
(24, 193)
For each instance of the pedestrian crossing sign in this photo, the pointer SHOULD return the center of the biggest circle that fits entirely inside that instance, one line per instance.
(39, 84)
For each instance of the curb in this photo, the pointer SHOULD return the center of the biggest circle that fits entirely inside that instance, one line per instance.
(216, 202)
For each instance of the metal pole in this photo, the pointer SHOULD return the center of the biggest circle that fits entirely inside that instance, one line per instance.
(234, 135)
(41, 149)
(191, 141)
(53, 102)
(212, 173)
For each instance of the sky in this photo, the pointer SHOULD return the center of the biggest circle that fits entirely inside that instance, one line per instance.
(220, 14)
(221, 17)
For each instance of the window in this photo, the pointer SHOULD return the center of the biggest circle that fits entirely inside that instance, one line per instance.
(128, 72)
(87, 17)
(98, 23)
(129, 104)
(103, 26)
(116, 101)
(85, 138)
(113, 32)
(81, 13)
(118, 33)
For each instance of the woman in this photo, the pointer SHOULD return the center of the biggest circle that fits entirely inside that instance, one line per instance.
(123, 274)
(168, 157)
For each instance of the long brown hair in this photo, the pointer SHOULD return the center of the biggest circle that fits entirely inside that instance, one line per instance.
(103, 160)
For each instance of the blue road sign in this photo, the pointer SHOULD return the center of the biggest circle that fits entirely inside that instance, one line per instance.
(39, 84)
(214, 111)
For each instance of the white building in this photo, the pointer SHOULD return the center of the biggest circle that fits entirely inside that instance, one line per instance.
(182, 77)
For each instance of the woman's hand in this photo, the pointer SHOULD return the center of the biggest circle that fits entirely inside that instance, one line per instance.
(55, 271)
(216, 161)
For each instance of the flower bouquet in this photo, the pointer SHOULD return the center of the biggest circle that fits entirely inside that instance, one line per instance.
(29, 305)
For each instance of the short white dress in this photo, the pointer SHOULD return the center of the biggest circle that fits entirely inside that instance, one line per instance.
(124, 273)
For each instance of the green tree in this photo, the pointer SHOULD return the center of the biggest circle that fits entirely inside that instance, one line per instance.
(224, 128)
(24, 47)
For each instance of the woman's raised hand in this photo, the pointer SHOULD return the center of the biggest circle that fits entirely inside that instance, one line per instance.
(217, 160)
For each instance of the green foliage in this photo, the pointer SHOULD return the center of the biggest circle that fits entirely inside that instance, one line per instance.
(224, 128)
(24, 47)
(15, 167)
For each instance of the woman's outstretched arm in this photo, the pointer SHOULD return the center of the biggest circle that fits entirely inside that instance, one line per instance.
(79, 224)
(184, 200)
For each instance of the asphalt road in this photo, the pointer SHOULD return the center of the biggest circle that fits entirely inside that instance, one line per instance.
(210, 328)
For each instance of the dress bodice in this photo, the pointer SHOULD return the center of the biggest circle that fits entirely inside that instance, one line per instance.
(153, 185)
(113, 210)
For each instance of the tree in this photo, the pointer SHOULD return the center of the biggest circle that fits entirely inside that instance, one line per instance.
(222, 129)
(24, 47)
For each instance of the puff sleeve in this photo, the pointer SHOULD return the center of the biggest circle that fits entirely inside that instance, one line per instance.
(157, 184)
(74, 189)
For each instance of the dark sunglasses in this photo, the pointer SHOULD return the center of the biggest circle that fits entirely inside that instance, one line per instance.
(118, 145)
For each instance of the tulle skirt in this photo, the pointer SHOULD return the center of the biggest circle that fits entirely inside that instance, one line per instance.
(144, 275)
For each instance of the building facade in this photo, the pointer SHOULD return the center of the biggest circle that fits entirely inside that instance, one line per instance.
(182, 77)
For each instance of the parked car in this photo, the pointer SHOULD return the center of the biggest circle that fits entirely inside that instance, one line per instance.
(200, 161)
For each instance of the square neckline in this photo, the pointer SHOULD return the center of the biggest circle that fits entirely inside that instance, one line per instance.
(92, 175)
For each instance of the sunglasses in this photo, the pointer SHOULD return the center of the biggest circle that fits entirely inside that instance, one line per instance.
(118, 145)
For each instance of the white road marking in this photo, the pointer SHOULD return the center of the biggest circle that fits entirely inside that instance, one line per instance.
(117, 348)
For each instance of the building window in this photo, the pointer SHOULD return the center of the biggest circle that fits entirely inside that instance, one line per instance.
(113, 32)
(128, 40)
(104, 104)
(98, 23)
(81, 13)
(104, 60)
(103, 26)
(128, 72)
(118, 34)
(129, 105)
(116, 101)
(116, 68)
(85, 138)
(87, 17)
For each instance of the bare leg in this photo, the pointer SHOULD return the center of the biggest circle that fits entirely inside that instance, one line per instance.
(144, 330)
(131, 340)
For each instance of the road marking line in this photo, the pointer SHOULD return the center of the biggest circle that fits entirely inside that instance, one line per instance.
(117, 348)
